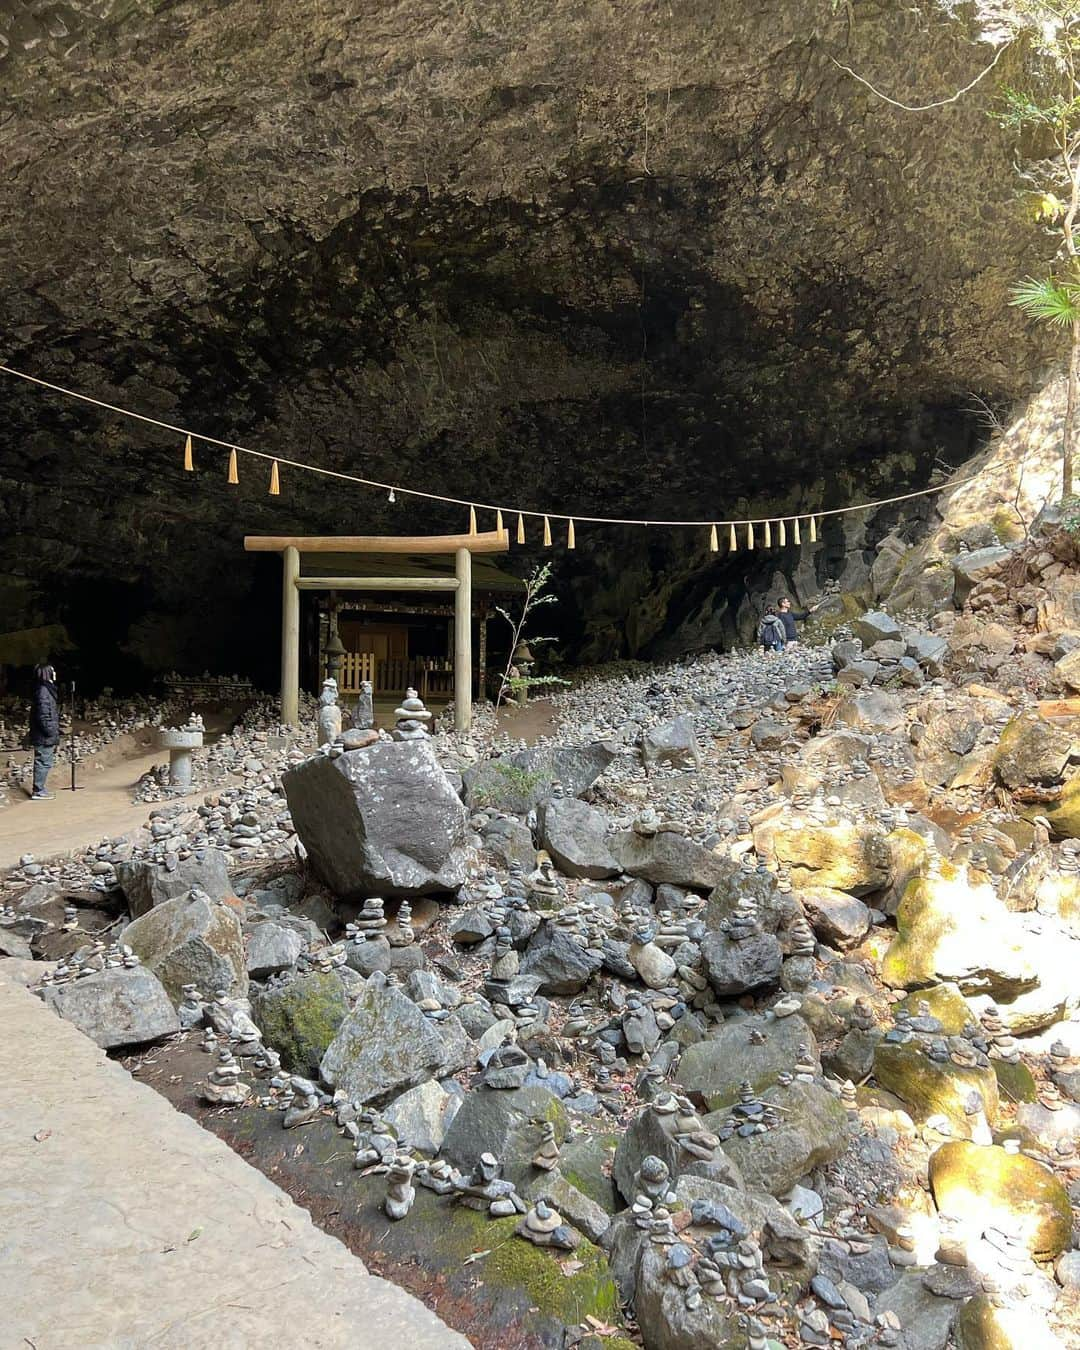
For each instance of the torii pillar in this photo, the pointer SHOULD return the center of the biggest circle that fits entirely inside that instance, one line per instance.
(461, 546)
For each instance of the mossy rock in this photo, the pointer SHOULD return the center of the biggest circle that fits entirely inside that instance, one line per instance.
(977, 1183)
(1064, 813)
(929, 1088)
(1007, 528)
(946, 1003)
(908, 852)
(1032, 750)
(512, 1262)
(1015, 1081)
(586, 1163)
(301, 1018)
(952, 928)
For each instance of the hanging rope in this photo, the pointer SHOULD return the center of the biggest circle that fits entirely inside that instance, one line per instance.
(546, 516)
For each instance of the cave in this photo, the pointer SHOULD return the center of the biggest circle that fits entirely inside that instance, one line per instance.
(638, 261)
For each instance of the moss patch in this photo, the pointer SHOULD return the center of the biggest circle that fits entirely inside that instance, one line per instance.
(1015, 1081)
(301, 1019)
(582, 1164)
(514, 1263)
(947, 1004)
(927, 1087)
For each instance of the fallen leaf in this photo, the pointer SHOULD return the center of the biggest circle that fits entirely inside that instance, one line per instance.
(476, 1256)
(194, 1234)
(571, 1267)
(42, 1135)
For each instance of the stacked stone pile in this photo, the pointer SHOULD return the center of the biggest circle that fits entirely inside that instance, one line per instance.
(752, 984)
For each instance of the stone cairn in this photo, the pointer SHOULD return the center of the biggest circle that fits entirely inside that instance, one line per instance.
(412, 718)
(400, 1191)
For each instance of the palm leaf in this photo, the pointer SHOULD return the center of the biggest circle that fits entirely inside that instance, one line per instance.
(1053, 302)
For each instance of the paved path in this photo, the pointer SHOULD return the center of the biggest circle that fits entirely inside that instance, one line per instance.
(125, 1225)
(101, 808)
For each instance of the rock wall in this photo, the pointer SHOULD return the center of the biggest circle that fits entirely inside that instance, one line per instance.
(590, 257)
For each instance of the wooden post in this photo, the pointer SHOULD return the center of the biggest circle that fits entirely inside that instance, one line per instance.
(463, 641)
(290, 638)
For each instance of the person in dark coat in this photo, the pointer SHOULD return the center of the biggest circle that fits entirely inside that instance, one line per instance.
(787, 617)
(44, 729)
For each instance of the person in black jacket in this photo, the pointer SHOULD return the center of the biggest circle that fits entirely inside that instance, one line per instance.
(44, 729)
(787, 617)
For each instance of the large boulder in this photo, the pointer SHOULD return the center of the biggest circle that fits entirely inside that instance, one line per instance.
(983, 1324)
(815, 766)
(930, 650)
(300, 1018)
(734, 967)
(272, 948)
(386, 1045)
(667, 858)
(667, 1323)
(507, 1123)
(930, 1087)
(971, 568)
(380, 821)
(980, 1184)
(876, 626)
(651, 1134)
(420, 1117)
(839, 919)
(575, 835)
(673, 743)
(926, 1318)
(813, 1130)
(714, 1069)
(116, 1007)
(561, 964)
(872, 710)
(517, 783)
(191, 940)
(784, 1242)
(845, 855)
(1064, 812)
(146, 884)
(949, 736)
(1033, 751)
(953, 928)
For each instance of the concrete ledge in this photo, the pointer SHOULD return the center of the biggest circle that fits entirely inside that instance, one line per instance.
(127, 1225)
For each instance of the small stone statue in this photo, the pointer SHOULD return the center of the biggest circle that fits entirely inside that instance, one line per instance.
(329, 713)
(190, 1010)
(223, 1086)
(400, 1192)
(363, 718)
(506, 961)
(653, 1180)
(546, 1156)
(402, 934)
(304, 1106)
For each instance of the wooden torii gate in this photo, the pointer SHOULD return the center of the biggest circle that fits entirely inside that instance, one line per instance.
(460, 546)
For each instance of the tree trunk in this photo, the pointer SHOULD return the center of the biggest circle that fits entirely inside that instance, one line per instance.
(1070, 412)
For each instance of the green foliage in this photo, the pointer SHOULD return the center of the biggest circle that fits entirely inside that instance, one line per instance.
(1053, 302)
(536, 594)
(1070, 515)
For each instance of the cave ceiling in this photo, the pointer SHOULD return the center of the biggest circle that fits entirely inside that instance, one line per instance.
(610, 259)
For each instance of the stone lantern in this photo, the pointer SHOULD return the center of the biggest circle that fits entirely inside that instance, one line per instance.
(335, 648)
(521, 663)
